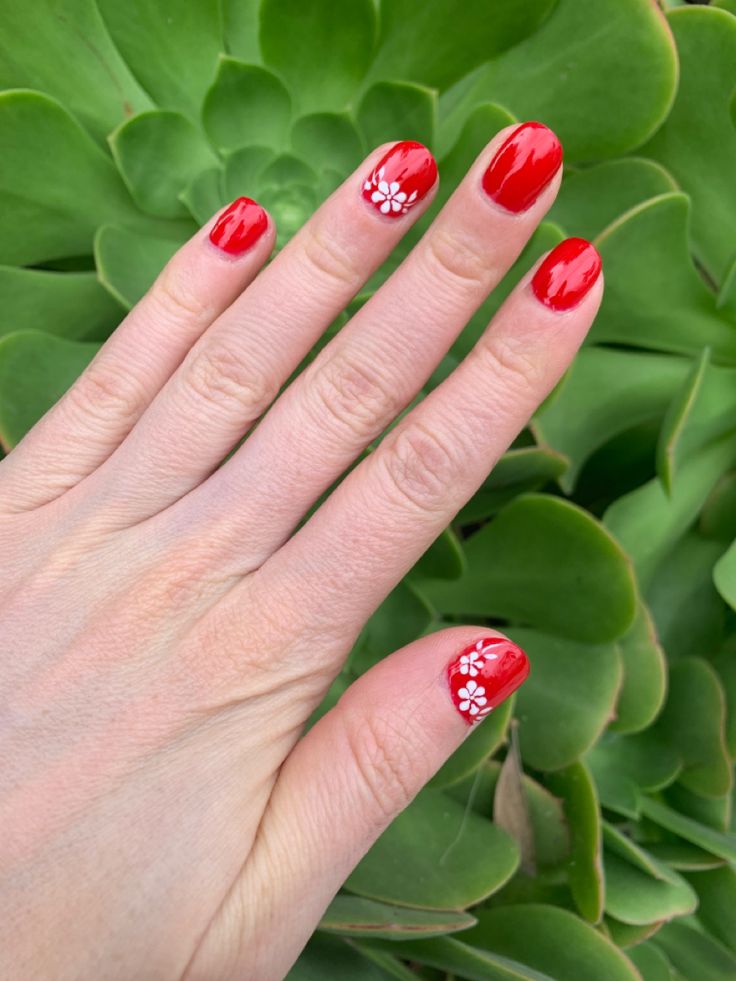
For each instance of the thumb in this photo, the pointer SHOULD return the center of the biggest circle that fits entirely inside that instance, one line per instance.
(366, 759)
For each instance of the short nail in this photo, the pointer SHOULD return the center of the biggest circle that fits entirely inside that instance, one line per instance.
(484, 674)
(523, 166)
(400, 179)
(567, 274)
(239, 226)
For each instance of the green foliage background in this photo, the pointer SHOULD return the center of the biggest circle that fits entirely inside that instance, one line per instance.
(603, 541)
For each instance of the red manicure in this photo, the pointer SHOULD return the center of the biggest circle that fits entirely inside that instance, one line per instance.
(484, 674)
(523, 166)
(400, 179)
(239, 226)
(567, 274)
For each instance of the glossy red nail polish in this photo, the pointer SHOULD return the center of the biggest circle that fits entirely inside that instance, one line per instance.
(484, 674)
(239, 226)
(400, 179)
(567, 274)
(523, 166)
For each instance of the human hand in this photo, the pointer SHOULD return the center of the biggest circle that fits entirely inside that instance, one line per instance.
(167, 626)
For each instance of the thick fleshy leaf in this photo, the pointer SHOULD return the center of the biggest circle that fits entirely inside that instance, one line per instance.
(701, 118)
(246, 105)
(482, 742)
(67, 53)
(648, 522)
(715, 842)
(171, 49)
(436, 855)
(397, 111)
(684, 857)
(716, 891)
(618, 842)
(703, 410)
(515, 572)
(693, 723)
(634, 897)
(694, 954)
(320, 51)
(326, 956)
(575, 786)
(626, 935)
(69, 304)
(605, 392)
(650, 962)
(204, 195)
(463, 961)
(241, 29)
(158, 154)
(645, 676)
(55, 183)
(569, 680)
(550, 940)
(619, 77)
(625, 765)
(713, 811)
(35, 371)
(444, 559)
(128, 262)
(725, 666)
(439, 41)
(724, 576)
(360, 917)
(654, 296)
(527, 468)
(718, 517)
(328, 139)
(243, 170)
(591, 199)
(685, 604)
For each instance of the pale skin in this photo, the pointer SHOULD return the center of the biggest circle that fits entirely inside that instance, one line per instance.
(168, 625)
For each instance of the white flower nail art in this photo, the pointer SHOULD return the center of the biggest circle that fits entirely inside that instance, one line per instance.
(470, 664)
(473, 697)
(486, 650)
(388, 197)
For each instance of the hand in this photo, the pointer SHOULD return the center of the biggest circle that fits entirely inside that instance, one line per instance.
(167, 630)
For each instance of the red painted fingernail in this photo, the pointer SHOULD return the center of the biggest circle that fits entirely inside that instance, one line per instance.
(484, 674)
(400, 179)
(523, 166)
(567, 274)
(239, 226)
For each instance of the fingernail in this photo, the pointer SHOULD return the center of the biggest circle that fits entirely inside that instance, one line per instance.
(400, 179)
(567, 274)
(239, 226)
(523, 166)
(484, 674)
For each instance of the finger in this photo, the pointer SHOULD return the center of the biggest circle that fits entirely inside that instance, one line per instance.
(232, 374)
(390, 508)
(350, 776)
(378, 362)
(102, 406)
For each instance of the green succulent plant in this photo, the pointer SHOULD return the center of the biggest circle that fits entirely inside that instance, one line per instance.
(586, 830)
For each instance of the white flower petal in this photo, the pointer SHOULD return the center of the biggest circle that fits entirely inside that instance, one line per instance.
(394, 185)
(384, 188)
(473, 709)
(381, 172)
(368, 185)
(481, 700)
(464, 706)
(385, 207)
(479, 690)
(463, 692)
(400, 196)
(412, 196)
(377, 196)
(395, 205)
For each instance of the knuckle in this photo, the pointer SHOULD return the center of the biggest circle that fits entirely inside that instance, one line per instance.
(228, 379)
(381, 753)
(106, 391)
(456, 263)
(510, 360)
(331, 261)
(177, 298)
(352, 395)
(421, 467)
